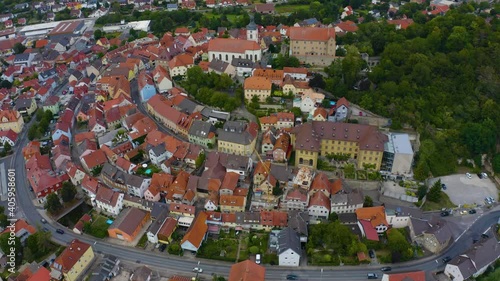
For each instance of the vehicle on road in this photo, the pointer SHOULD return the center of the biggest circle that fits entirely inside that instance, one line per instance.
(443, 186)
(445, 213)
(472, 211)
(372, 276)
(386, 268)
(463, 212)
(44, 221)
(292, 277)
(257, 259)
(198, 269)
(60, 231)
(446, 259)
(468, 175)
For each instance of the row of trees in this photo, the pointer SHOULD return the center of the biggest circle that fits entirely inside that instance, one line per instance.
(213, 89)
(440, 77)
(38, 129)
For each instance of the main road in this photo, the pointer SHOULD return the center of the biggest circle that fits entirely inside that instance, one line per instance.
(31, 213)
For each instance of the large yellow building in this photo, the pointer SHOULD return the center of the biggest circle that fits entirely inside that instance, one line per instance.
(73, 261)
(363, 143)
(11, 120)
(257, 86)
(313, 45)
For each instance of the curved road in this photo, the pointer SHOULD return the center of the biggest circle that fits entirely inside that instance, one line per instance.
(30, 212)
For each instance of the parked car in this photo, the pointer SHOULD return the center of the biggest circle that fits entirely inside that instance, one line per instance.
(472, 211)
(386, 268)
(162, 247)
(43, 221)
(257, 259)
(292, 277)
(371, 253)
(485, 175)
(443, 186)
(372, 276)
(485, 236)
(60, 231)
(445, 213)
(446, 259)
(468, 175)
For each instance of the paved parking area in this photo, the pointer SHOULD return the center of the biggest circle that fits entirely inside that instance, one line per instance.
(462, 190)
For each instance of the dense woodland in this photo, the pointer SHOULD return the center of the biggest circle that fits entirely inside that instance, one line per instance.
(440, 77)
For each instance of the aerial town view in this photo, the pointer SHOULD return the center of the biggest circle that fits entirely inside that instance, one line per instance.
(249, 140)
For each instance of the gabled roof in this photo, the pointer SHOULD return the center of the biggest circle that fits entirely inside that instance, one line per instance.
(375, 215)
(311, 33)
(71, 255)
(197, 230)
(247, 271)
(408, 276)
(288, 239)
(231, 45)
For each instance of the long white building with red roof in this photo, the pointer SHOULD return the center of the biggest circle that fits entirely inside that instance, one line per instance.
(226, 50)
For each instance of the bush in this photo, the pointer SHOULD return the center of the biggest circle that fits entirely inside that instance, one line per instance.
(254, 250)
(174, 249)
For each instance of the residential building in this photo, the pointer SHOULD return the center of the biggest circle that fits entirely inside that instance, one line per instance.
(142, 273)
(257, 86)
(434, 235)
(319, 207)
(274, 75)
(161, 230)
(340, 112)
(196, 233)
(289, 247)
(226, 49)
(237, 138)
(26, 106)
(313, 45)
(11, 120)
(308, 101)
(202, 133)
(280, 120)
(179, 65)
(297, 73)
(474, 261)
(146, 86)
(162, 79)
(109, 268)
(372, 221)
(109, 201)
(347, 202)
(247, 271)
(294, 87)
(128, 224)
(21, 229)
(73, 261)
(398, 155)
(52, 104)
(9, 137)
(282, 148)
(405, 276)
(363, 143)
(294, 199)
(232, 203)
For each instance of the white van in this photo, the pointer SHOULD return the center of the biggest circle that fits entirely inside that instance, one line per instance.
(257, 259)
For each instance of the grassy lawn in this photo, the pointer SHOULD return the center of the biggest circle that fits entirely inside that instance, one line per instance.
(445, 202)
(231, 18)
(142, 241)
(99, 228)
(290, 8)
(221, 249)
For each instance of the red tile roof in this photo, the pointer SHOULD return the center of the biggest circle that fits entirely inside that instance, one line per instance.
(247, 271)
(311, 33)
(197, 231)
(231, 45)
(71, 255)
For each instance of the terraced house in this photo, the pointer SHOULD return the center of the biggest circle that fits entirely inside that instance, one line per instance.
(363, 143)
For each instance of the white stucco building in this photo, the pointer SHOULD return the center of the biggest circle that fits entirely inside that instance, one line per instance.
(226, 49)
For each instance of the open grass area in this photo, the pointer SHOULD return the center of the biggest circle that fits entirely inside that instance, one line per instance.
(142, 242)
(282, 9)
(445, 202)
(231, 18)
(99, 227)
(224, 249)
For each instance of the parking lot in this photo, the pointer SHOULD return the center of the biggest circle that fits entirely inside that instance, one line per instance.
(462, 190)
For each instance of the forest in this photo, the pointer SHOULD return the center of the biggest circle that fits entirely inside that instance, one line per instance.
(440, 77)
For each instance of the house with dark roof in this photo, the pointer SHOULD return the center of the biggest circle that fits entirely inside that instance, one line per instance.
(108, 268)
(220, 67)
(128, 224)
(474, 261)
(237, 137)
(289, 248)
(434, 235)
(299, 222)
(202, 133)
(142, 273)
(108, 200)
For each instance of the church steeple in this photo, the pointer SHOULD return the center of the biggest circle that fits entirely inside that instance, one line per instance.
(252, 33)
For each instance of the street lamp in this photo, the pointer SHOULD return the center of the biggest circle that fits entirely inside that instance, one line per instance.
(321, 274)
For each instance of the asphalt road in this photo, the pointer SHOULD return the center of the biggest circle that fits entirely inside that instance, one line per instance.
(28, 211)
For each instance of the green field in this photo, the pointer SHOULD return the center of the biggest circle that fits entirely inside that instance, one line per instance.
(445, 202)
(282, 9)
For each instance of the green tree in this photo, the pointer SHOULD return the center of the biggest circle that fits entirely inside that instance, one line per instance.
(7, 147)
(39, 114)
(68, 192)
(480, 138)
(401, 249)
(421, 191)
(200, 160)
(53, 204)
(19, 48)
(368, 201)
(296, 112)
(496, 163)
(434, 193)
(333, 217)
(3, 217)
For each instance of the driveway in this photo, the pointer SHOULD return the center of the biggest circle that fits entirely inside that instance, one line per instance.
(462, 190)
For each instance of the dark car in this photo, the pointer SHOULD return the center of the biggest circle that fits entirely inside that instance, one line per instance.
(60, 231)
(372, 276)
(162, 247)
(479, 175)
(46, 229)
(445, 213)
(292, 277)
(371, 253)
(443, 186)
(472, 211)
(386, 268)
(446, 259)
(485, 236)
